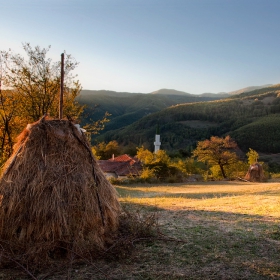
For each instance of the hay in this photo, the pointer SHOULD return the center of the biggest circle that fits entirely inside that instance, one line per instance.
(54, 195)
(255, 173)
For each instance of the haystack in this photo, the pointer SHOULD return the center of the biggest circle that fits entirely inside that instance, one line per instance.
(54, 195)
(255, 173)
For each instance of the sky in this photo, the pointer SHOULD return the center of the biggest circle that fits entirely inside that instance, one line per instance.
(195, 46)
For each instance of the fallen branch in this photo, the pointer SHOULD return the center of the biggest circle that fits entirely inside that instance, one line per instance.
(241, 179)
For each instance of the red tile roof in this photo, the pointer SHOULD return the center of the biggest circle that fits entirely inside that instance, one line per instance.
(124, 157)
(123, 165)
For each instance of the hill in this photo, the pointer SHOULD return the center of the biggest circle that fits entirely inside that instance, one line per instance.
(165, 91)
(248, 89)
(252, 118)
(126, 108)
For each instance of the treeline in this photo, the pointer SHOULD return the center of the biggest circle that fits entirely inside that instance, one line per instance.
(213, 159)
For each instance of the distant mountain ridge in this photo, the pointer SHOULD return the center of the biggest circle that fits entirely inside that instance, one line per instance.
(88, 93)
(247, 89)
(166, 91)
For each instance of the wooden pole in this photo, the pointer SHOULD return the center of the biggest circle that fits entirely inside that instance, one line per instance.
(61, 87)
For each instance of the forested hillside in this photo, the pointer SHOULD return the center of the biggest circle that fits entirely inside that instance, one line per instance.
(251, 118)
(127, 108)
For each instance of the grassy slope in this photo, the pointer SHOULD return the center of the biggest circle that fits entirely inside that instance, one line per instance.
(224, 230)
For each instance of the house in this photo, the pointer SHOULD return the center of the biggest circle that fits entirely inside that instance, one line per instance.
(121, 166)
(125, 165)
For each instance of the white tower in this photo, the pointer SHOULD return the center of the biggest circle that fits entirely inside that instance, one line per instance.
(157, 143)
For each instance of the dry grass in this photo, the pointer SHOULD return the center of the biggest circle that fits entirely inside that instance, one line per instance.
(215, 230)
(234, 197)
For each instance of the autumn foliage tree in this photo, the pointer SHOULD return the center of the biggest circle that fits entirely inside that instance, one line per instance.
(29, 89)
(10, 123)
(158, 165)
(220, 152)
(36, 80)
(252, 156)
(105, 150)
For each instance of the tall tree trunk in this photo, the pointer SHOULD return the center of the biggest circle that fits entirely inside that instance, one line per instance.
(223, 171)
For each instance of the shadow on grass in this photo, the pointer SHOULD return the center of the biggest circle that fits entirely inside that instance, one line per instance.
(211, 245)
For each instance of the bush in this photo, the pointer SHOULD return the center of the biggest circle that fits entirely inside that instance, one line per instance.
(275, 175)
(148, 173)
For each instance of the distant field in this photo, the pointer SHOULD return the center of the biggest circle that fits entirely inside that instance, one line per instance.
(214, 230)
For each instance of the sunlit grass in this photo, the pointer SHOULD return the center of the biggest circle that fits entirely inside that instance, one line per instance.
(234, 197)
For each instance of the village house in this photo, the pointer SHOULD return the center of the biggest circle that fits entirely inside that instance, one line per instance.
(125, 166)
(121, 167)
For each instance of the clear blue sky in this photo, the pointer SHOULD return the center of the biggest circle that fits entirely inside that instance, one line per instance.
(194, 46)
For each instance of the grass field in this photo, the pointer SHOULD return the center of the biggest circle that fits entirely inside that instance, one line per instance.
(213, 230)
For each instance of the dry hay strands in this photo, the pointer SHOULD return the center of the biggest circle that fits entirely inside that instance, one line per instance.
(53, 191)
(255, 173)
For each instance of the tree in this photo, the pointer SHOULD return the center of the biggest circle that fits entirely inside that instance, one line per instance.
(144, 155)
(29, 89)
(105, 151)
(252, 156)
(112, 148)
(190, 166)
(36, 81)
(157, 164)
(94, 127)
(100, 150)
(217, 151)
(9, 122)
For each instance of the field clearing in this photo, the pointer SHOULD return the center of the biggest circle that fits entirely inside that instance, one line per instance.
(234, 197)
(211, 230)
